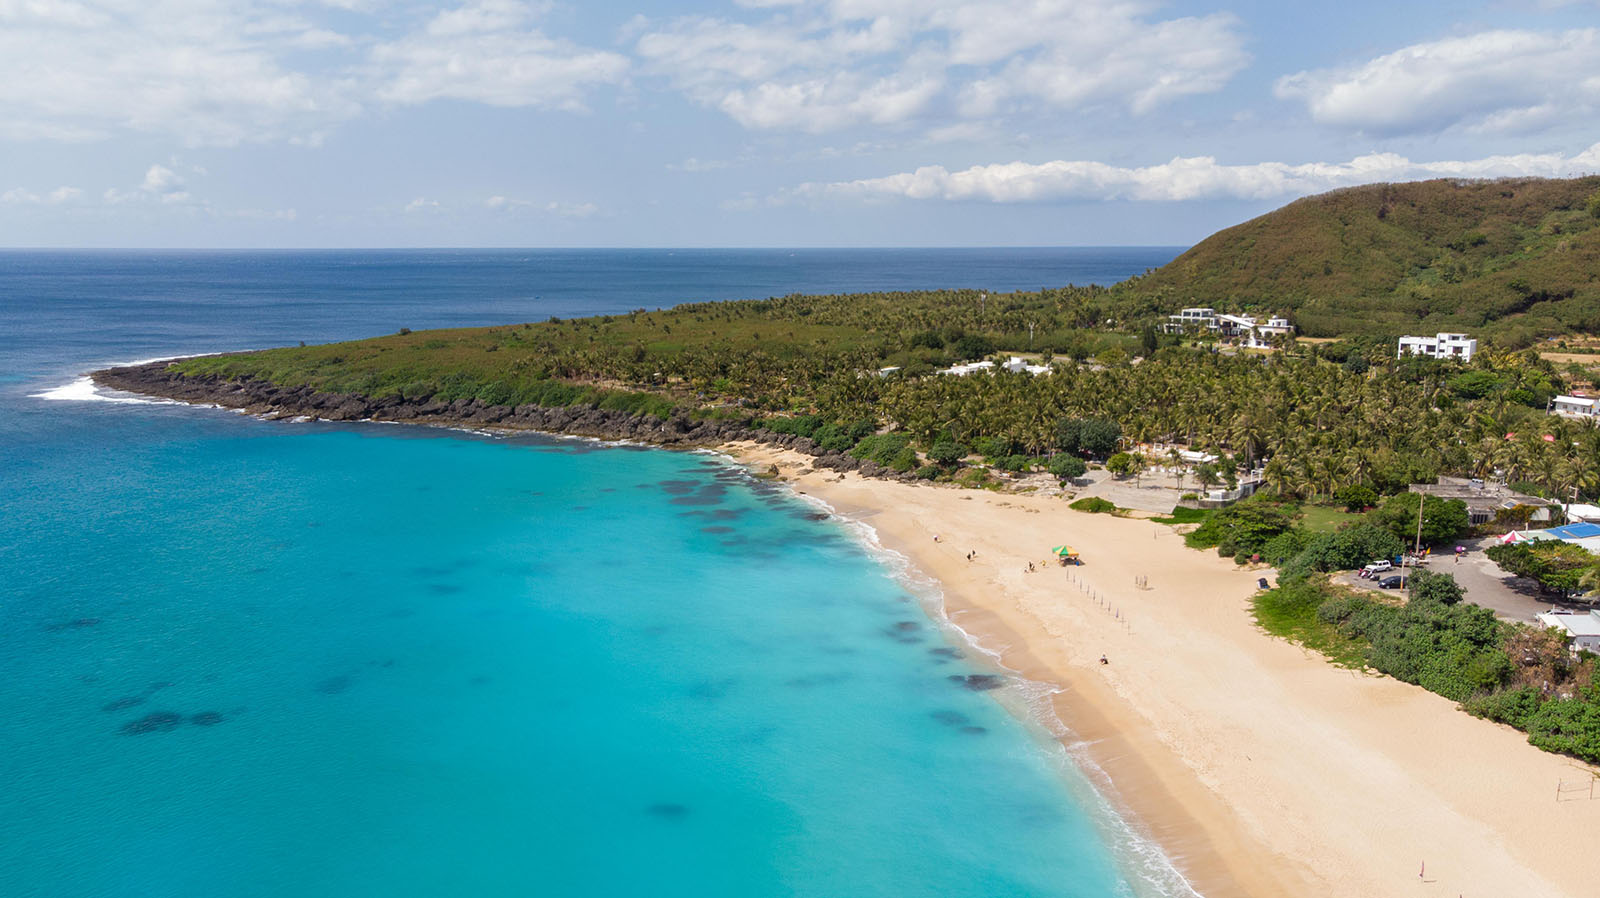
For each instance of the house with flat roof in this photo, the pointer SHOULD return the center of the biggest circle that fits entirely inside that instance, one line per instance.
(1440, 346)
(1198, 320)
(1574, 407)
(1582, 627)
(1484, 499)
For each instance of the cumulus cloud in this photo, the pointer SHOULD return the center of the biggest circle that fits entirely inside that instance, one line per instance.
(161, 184)
(225, 72)
(487, 52)
(22, 196)
(823, 65)
(1500, 81)
(1184, 178)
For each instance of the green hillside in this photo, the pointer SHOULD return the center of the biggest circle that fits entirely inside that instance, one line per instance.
(1511, 259)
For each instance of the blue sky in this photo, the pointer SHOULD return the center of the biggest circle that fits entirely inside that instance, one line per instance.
(347, 123)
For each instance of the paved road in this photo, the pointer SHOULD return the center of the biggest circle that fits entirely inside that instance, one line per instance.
(1510, 598)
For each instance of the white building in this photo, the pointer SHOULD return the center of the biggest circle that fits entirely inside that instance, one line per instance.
(1583, 511)
(969, 368)
(1191, 321)
(1439, 346)
(1019, 365)
(1250, 330)
(1574, 407)
(1583, 628)
(1016, 365)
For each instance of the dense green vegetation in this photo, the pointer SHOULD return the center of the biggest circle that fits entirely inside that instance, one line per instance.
(1557, 566)
(1512, 673)
(1511, 259)
(1343, 420)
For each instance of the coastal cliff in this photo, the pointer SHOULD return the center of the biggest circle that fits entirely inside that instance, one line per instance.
(268, 400)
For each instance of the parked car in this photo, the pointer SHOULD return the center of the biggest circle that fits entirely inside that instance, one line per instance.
(1377, 567)
(1393, 581)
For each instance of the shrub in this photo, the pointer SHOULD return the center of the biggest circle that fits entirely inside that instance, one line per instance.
(994, 447)
(1094, 505)
(886, 449)
(1284, 546)
(947, 453)
(1014, 463)
(1091, 436)
(1067, 467)
(1442, 519)
(1349, 547)
(1358, 497)
(1244, 527)
(927, 472)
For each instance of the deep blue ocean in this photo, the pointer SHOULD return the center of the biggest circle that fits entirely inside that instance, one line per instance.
(249, 658)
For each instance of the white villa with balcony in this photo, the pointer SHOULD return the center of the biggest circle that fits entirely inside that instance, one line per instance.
(1440, 346)
(1250, 331)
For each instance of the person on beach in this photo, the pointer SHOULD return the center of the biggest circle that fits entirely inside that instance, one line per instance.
(1103, 660)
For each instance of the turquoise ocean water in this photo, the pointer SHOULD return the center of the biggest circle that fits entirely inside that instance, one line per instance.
(247, 658)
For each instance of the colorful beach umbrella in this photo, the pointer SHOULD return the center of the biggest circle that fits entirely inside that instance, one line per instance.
(1063, 550)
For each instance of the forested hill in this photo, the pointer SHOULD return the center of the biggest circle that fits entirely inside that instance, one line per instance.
(1513, 259)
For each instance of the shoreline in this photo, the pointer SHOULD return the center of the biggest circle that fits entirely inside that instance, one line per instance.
(1357, 780)
(1257, 767)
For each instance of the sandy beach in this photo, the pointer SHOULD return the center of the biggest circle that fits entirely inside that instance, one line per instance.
(1259, 767)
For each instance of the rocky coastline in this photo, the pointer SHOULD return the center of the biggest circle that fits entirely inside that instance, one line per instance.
(268, 400)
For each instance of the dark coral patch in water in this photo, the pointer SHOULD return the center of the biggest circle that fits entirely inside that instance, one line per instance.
(123, 704)
(679, 487)
(335, 685)
(206, 718)
(78, 624)
(668, 810)
(710, 494)
(950, 718)
(154, 722)
(979, 682)
(906, 631)
(945, 652)
(716, 529)
(711, 689)
(975, 730)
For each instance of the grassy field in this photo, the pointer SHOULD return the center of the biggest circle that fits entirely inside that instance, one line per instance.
(1325, 518)
(1184, 515)
(1290, 611)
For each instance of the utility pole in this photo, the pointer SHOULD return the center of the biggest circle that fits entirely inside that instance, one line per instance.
(1405, 581)
(983, 304)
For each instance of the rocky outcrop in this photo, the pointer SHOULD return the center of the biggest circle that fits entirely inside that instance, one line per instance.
(269, 400)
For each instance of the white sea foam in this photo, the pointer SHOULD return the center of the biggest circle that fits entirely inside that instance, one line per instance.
(84, 389)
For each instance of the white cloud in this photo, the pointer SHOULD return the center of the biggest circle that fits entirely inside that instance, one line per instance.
(21, 196)
(1501, 81)
(1184, 178)
(161, 184)
(551, 207)
(486, 52)
(421, 204)
(225, 72)
(823, 65)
